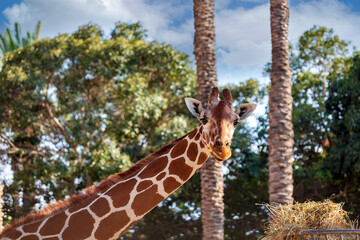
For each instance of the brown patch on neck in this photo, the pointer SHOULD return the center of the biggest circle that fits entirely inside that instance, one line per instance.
(146, 200)
(80, 220)
(192, 133)
(192, 151)
(54, 224)
(180, 168)
(107, 228)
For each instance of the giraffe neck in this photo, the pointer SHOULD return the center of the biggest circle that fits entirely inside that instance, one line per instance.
(110, 211)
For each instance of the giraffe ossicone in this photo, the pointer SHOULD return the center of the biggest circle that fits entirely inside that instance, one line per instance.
(107, 210)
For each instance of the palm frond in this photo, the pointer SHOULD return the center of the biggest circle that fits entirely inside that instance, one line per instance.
(3, 43)
(12, 44)
(18, 33)
(6, 47)
(36, 35)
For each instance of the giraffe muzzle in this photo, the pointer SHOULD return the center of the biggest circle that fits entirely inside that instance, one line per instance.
(221, 153)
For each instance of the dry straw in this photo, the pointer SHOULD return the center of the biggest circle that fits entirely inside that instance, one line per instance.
(287, 220)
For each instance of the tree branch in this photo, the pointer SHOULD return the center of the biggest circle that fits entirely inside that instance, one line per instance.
(60, 127)
(14, 149)
(8, 140)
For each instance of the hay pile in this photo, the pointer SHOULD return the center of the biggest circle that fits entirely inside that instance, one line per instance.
(290, 219)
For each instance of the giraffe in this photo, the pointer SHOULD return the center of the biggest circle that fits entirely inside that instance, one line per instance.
(107, 210)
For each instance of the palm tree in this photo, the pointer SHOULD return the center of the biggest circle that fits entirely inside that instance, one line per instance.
(211, 173)
(8, 43)
(280, 109)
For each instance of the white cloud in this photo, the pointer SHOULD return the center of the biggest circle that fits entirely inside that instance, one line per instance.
(255, 1)
(182, 35)
(66, 16)
(221, 4)
(328, 13)
(242, 34)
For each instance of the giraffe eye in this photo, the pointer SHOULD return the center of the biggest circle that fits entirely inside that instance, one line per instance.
(203, 120)
(236, 123)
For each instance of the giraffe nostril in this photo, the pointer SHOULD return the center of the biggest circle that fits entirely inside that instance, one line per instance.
(218, 143)
(227, 144)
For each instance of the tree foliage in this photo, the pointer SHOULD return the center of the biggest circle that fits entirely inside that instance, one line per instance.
(318, 53)
(343, 152)
(77, 108)
(318, 59)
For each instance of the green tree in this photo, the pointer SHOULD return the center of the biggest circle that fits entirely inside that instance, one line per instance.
(9, 43)
(77, 108)
(318, 58)
(343, 154)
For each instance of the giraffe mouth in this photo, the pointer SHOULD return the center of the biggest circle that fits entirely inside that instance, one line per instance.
(218, 158)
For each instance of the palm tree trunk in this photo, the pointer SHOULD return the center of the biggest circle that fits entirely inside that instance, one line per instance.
(212, 204)
(281, 133)
(211, 173)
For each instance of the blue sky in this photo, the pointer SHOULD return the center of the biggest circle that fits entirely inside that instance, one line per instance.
(242, 26)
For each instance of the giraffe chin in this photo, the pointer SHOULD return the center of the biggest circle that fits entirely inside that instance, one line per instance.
(220, 159)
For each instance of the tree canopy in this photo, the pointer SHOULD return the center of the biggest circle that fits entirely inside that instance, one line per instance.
(77, 108)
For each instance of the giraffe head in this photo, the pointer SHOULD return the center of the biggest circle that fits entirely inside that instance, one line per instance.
(219, 121)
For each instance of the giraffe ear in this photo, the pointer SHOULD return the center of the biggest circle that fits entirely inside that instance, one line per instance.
(245, 110)
(194, 106)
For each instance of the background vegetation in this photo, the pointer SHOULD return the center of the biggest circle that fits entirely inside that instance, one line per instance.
(77, 108)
